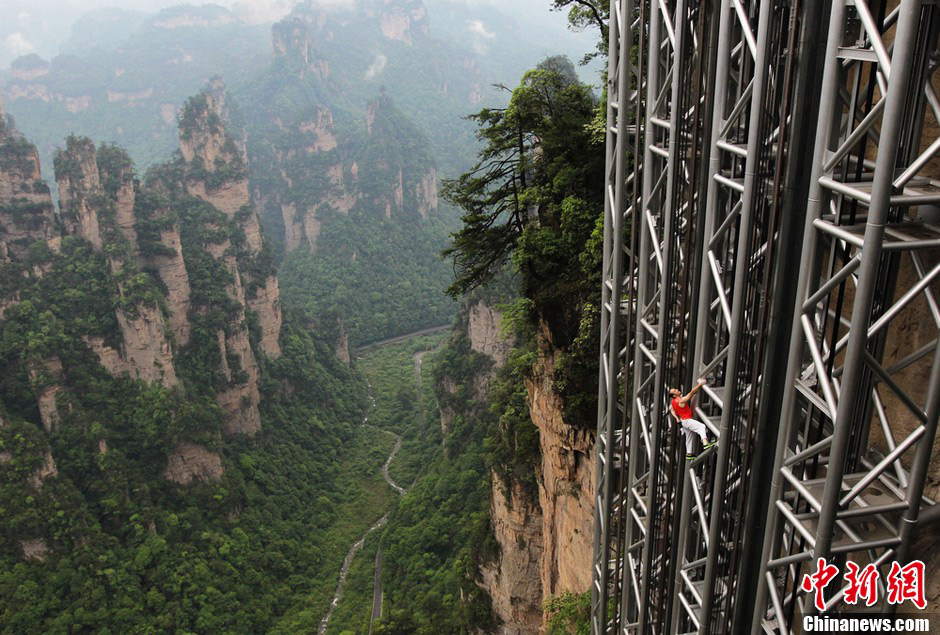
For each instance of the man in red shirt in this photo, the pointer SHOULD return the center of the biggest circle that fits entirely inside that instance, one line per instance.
(681, 409)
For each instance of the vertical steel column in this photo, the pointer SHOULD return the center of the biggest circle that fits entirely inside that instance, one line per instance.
(612, 275)
(743, 262)
(646, 364)
(809, 18)
(614, 576)
(683, 583)
(632, 513)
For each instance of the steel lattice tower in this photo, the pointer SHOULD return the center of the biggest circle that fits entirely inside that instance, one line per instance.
(770, 224)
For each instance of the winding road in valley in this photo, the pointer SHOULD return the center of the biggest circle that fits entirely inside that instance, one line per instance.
(357, 546)
(402, 338)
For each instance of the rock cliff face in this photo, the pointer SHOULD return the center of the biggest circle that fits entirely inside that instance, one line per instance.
(485, 333)
(217, 172)
(402, 20)
(158, 281)
(315, 172)
(46, 380)
(97, 196)
(514, 580)
(165, 256)
(190, 462)
(544, 535)
(215, 163)
(566, 489)
(79, 189)
(26, 211)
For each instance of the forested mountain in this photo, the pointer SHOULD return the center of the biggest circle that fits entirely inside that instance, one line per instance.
(153, 402)
(123, 77)
(352, 113)
(190, 440)
(347, 183)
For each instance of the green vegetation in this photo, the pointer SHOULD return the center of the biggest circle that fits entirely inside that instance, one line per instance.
(569, 614)
(362, 498)
(354, 611)
(121, 81)
(126, 550)
(132, 552)
(380, 278)
(440, 531)
(260, 548)
(401, 406)
(532, 206)
(533, 202)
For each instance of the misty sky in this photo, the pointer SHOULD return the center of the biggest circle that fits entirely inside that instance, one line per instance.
(41, 26)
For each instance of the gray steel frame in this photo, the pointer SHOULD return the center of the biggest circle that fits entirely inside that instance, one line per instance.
(661, 565)
(834, 493)
(621, 196)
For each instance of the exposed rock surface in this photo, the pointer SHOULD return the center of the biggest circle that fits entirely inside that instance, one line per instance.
(240, 400)
(46, 378)
(342, 346)
(320, 129)
(171, 268)
(79, 187)
(513, 579)
(146, 352)
(266, 304)
(426, 193)
(403, 20)
(545, 538)
(485, 333)
(98, 194)
(45, 471)
(34, 549)
(190, 462)
(26, 210)
(565, 488)
(317, 171)
(217, 173)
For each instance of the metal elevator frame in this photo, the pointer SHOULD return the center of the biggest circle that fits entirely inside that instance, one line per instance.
(735, 126)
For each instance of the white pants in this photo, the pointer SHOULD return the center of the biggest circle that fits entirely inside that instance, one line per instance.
(691, 427)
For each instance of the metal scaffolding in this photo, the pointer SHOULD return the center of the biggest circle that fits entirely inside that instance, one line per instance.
(735, 126)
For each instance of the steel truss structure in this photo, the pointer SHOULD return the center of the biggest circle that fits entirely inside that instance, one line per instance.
(767, 226)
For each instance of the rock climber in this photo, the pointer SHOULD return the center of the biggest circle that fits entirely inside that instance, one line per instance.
(681, 408)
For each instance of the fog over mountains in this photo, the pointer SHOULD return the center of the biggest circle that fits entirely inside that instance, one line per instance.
(41, 26)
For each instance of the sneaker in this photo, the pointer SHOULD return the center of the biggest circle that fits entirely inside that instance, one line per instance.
(690, 457)
(705, 446)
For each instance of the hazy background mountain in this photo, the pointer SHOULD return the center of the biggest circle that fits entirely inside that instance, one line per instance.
(44, 27)
(120, 74)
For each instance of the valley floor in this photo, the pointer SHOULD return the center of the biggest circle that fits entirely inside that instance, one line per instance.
(402, 389)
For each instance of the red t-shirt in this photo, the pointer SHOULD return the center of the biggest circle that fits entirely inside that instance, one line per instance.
(684, 412)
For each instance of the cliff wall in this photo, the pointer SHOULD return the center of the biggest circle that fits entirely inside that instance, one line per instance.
(145, 252)
(544, 533)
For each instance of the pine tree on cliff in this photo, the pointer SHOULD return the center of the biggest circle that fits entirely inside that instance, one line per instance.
(534, 194)
(534, 201)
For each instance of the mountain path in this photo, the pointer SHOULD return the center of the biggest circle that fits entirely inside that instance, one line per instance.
(377, 593)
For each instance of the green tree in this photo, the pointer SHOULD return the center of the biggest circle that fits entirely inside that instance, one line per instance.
(583, 14)
(537, 151)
